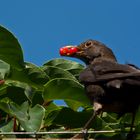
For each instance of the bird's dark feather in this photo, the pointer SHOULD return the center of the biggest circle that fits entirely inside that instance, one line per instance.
(106, 71)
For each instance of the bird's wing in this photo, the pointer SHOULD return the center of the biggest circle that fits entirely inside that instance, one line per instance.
(108, 71)
(87, 76)
(105, 67)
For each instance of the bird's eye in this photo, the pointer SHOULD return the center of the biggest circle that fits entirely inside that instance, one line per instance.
(89, 43)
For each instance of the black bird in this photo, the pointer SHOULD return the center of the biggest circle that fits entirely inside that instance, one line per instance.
(110, 86)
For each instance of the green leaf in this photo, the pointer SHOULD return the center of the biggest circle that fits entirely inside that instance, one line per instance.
(75, 72)
(36, 74)
(22, 76)
(74, 104)
(51, 107)
(4, 69)
(4, 105)
(3, 89)
(49, 116)
(37, 98)
(73, 67)
(62, 88)
(30, 118)
(68, 118)
(10, 49)
(64, 64)
(7, 127)
(19, 89)
(34, 120)
(55, 72)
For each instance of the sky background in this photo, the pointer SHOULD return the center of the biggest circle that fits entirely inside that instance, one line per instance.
(43, 26)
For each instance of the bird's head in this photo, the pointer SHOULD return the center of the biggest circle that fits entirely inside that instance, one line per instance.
(88, 51)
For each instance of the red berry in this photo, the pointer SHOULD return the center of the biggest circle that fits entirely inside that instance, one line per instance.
(73, 50)
(64, 51)
(68, 50)
(61, 51)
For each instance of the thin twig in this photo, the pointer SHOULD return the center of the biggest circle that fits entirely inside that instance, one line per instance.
(59, 132)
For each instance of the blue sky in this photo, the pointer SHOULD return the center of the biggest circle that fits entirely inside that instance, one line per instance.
(43, 26)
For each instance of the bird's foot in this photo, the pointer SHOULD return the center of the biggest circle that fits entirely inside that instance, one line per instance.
(83, 135)
(131, 136)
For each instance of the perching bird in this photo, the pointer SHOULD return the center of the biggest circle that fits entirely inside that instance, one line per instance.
(111, 87)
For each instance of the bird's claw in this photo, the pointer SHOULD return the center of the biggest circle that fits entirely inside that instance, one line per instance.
(85, 134)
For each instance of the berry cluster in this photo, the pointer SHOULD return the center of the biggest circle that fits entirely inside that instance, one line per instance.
(65, 51)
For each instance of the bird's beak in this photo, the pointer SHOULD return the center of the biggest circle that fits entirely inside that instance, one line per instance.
(69, 50)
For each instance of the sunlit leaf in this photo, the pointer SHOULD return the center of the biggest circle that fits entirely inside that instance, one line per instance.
(34, 120)
(62, 88)
(30, 118)
(64, 64)
(75, 105)
(36, 74)
(7, 127)
(10, 49)
(56, 72)
(4, 69)
(3, 89)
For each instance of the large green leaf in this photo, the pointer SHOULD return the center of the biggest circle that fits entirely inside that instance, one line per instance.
(36, 74)
(73, 67)
(10, 49)
(62, 88)
(64, 64)
(56, 72)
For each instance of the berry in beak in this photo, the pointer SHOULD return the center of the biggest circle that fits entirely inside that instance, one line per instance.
(68, 50)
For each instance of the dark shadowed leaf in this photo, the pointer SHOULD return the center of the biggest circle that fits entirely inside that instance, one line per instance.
(37, 98)
(68, 118)
(10, 49)
(71, 119)
(18, 89)
(49, 117)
